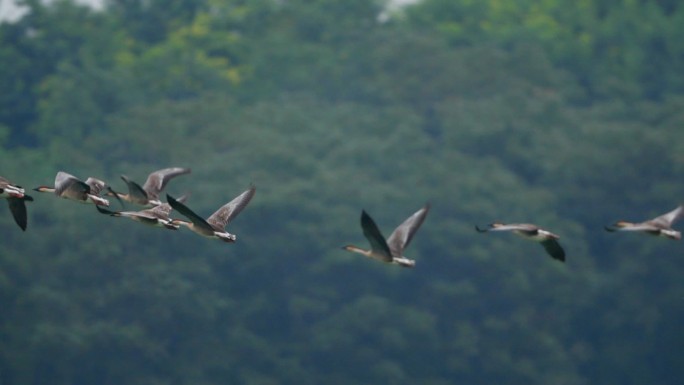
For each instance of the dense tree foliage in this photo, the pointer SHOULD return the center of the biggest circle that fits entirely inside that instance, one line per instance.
(565, 114)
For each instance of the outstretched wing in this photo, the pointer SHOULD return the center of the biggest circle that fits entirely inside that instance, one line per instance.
(222, 217)
(18, 209)
(65, 181)
(157, 180)
(103, 210)
(161, 211)
(554, 249)
(96, 185)
(402, 235)
(136, 194)
(377, 241)
(199, 223)
(666, 220)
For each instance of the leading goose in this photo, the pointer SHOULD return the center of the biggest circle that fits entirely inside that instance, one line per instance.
(15, 199)
(68, 186)
(148, 194)
(532, 232)
(390, 250)
(214, 226)
(659, 226)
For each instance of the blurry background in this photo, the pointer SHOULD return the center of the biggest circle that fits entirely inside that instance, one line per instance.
(564, 114)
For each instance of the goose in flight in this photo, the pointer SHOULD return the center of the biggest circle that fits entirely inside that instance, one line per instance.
(16, 199)
(390, 250)
(658, 226)
(148, 194)
(68, 186)
(532, 232)
(157, 216)
(214, 226)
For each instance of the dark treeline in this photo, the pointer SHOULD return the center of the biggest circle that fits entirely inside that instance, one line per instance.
(565, 114)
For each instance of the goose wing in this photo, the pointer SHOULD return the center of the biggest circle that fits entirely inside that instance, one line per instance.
(103, 210)
(96, 185)
(666, 220)
(65, 181)
(18, 209)
(135, 193)
(199, 223)
(377, 241)
(554, 249)
(230, 210)
(145, 214)
(157, 180)
(161, 211)
(402, 235)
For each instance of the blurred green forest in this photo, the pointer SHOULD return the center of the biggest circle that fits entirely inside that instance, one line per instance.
(565, 114)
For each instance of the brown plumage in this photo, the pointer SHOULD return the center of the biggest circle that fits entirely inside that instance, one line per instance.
(148, 194)
(532, 232)
(390, 250)
(659, 226)
(68, 186)
(214, 226)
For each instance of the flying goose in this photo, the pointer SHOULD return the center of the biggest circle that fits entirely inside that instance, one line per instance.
(68, 186)
(658, 226)
(148, 194)
(532, 232)
(214, 226)
(15, 199)
(392, 249)
(157, 216)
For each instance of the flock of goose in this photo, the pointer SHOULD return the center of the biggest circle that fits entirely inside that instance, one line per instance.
(389, 250)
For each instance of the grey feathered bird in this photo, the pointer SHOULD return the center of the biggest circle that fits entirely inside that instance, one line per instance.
(390, 250)
(214, 226)
(148, 194)
(157, 216)
(532, 232)
(659, 226)
(68, 186)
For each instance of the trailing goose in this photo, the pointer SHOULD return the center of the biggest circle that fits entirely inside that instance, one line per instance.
(390, 250)
(532, 232)
(148, 194)
(659, 226)
(68, 186)
(214, 226)
(157, 216)
(16, 199)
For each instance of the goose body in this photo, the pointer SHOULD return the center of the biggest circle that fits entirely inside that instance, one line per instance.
(16, 199)
(148, 193)
(68, 186)
(532, 232)
(659, 226)
(390, 250)
(214, 226)
(157, 216)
